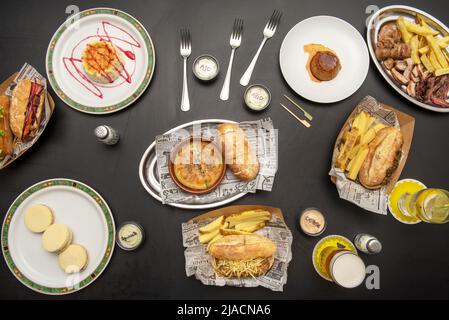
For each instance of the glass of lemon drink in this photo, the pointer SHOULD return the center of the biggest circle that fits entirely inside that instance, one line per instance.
(428, 205)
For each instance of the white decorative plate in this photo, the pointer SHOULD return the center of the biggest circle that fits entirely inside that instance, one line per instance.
(337, 35)
(64, 65)
(74, 204)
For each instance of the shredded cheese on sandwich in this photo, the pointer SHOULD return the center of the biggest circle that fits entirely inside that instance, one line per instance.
(238, 268)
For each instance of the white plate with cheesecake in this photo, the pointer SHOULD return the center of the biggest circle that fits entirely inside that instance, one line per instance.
(324, 59)
(58, 236)
(100, 60)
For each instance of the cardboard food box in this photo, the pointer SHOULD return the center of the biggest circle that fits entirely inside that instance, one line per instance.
(197, 259)
(19, 147)
(374, 200)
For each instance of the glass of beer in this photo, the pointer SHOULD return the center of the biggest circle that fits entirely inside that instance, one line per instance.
(428, 205)
(343, 266)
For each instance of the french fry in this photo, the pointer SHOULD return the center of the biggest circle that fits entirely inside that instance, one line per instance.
(378, 126)
(357, 164)
(350, 164)
(426, 63)
(206, 237)
(417, 29)
(424, 50)
(406, 35)
(247, 215)
(354, 152)
(440, 72)
(214, 225)
(230, 232)
(368, 136)
(350, 142)
(248, 224)
(434, 61)
(414, 43)
(360, 121)
(253, 227)
(437, 51)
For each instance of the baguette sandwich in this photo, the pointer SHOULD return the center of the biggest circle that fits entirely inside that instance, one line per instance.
(240, 256)
(27, 108)
(382, 158)
(6, 137)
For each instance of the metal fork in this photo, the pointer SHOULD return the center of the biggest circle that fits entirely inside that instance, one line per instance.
(268, 32)
(236, 39)
(185, 50)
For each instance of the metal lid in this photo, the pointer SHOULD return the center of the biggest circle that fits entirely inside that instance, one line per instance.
(266, 102)
(101, 132)
(212, 74)
(312, 222)
(130, 235)
(374, 246)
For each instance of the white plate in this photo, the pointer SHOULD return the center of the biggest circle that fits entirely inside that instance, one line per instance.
(343, 39)
(67, 76)
(74, 204)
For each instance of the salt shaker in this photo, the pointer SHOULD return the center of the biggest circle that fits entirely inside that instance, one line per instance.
(107, 134)
(367, 243)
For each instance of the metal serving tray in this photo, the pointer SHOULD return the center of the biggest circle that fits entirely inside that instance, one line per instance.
(389, 14)
(150, 179)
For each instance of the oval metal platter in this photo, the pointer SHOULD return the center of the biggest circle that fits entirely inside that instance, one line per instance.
(389, 14)
(149, 176)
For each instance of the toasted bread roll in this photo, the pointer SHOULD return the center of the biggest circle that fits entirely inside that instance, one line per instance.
(27, 108)
(242, 247)
(382, 159)
(236, 256)
(239, 155)
(6, 137)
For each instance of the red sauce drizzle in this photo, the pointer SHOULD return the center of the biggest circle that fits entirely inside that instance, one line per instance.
(73, 65)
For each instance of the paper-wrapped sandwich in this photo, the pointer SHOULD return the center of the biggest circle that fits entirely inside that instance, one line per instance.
(384, 152)
(6, 137)
(240, 256)
(27, 108)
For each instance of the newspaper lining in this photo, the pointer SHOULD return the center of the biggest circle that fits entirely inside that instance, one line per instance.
(371, 200)
(19, 147)
(260, 133)
(198, 260)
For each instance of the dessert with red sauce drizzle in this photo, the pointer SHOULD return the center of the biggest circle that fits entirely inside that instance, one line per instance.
(102, 61)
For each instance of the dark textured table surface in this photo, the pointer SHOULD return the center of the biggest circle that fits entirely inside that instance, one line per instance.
(415, 259)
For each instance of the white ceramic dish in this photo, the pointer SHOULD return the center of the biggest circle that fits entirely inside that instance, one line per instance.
(66, 74)
(337, 35)
(74, 204)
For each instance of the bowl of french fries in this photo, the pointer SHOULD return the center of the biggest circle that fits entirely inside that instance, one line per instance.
(411, 50)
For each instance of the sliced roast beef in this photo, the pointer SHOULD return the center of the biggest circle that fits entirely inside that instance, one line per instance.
(434, 91)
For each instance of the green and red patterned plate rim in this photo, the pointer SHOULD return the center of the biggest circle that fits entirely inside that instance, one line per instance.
(119, 105)
(110, 242)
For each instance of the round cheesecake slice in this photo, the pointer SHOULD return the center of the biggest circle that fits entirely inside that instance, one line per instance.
(102, 62)
(73, 259)
(38, 218)
(56, 238)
